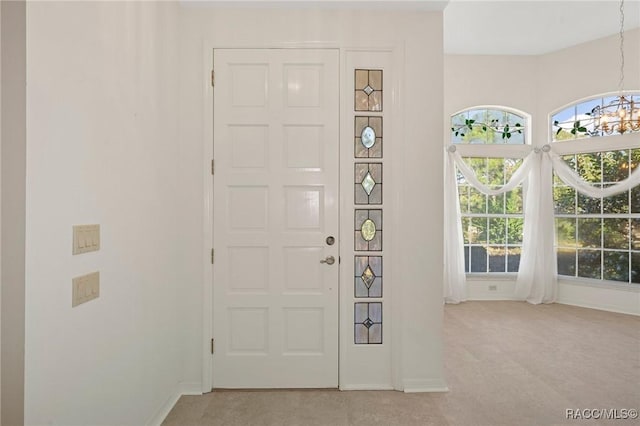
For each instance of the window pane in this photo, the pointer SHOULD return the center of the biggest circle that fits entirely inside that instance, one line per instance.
(517, 136)
(616, 266)
(477, 201)
(478, 230)
(497, 230)
(616, 233)
(588, 232)
(515, 231)
(479, 165)
(496, 203)
(615, 166)
(514, 201)
(571, 160)
(588, 205)
(495, 171)
(497, 259)
(566, 232)
(567, 262)
(565, 200)
(635, 268)
(590, 168)
(463, 193)
(635, 200)
(466, 222)
(616, 203)
(589, 264)
(580, 120)
(510, 167)
(466, 259)
(478, 259)
(513, 259)
(635, 234)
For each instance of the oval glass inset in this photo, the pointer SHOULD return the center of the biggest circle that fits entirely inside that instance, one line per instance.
(368, 230)
(368, 137)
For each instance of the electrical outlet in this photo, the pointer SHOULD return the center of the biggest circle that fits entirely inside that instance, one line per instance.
(493, 288)
(86, 238)
(85, 288)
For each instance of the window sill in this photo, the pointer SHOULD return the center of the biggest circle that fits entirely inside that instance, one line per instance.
(610, 285)
(500, 276)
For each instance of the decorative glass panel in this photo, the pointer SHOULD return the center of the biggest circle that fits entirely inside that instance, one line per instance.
(368, 276)
(368, 183)
(488, 126)
(368, 137)
(368, 230)
(596, 117)
(368, 323)
(368, 90)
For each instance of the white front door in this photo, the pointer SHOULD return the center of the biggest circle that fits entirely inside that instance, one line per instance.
(275, 203)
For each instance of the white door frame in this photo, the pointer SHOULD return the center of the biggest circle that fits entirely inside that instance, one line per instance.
(207, 156)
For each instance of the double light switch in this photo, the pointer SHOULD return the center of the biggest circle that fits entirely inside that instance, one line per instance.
(86, 238)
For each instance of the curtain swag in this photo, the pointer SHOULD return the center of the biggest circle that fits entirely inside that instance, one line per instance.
(537, 277)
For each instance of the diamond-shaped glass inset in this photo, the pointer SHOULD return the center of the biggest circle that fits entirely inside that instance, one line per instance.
(368, 323)
(368, 277)
(368, 90)
(368, 183)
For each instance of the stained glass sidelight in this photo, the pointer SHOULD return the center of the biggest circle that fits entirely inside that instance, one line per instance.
(368, 323)
(368, 183)
(368, 276)
(368, 222)
(368, 230)
(368, 137)
(368, 90)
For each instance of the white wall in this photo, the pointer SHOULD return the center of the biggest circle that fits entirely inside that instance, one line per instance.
(419, 35)
(102, 148)
(0, 217)
(13, 114)
(540, 85)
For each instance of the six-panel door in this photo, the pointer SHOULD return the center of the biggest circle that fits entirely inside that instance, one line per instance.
(275, 203)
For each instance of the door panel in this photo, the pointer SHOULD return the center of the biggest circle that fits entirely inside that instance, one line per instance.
(275, 202)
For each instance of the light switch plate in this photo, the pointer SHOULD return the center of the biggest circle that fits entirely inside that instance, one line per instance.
(85, 288)
(86, 238)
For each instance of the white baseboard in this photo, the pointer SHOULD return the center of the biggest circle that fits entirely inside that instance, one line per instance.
(425, 385)
(190, 388)
(613, 299)
(366, 387)
(183, 388)
(163, 412)
(594, 295)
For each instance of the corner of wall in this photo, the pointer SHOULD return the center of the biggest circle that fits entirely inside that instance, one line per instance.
(13, 180)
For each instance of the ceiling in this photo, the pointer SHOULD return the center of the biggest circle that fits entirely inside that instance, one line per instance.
(487, 27)
(521, 27)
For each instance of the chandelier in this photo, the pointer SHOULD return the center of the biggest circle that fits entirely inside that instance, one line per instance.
(620, 115)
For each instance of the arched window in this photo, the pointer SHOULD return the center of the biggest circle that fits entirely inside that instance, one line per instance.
(487, 138)
(597, 237)
(489, 125)
(605, 115)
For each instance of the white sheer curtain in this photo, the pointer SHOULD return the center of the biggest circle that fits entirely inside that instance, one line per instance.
(537, 280)
(455, 279)
(537, 275)
(455, 285)
(571, 178)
